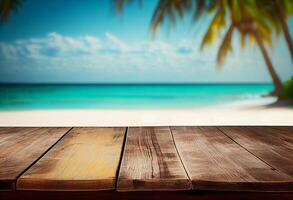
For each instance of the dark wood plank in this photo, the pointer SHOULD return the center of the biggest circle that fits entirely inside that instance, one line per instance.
(149, 195)
(20, 147)
(284, 133)
(269, 144)
(85, 159)
(150, 162)
(215, 162)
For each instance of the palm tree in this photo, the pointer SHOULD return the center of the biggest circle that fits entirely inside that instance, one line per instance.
(278, 12)
(248, 23)
(284, 9)
(241, 16)
(7, 7)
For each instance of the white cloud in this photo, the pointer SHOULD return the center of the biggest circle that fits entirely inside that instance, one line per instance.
(116, 43)
(112, 57)
(59, 50)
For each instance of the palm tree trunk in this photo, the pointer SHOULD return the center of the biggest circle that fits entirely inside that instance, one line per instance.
(277, 82)
(285, 28)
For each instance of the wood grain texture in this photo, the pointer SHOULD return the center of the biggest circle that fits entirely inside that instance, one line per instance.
(85, 159)
(284, 130)
(273, 145)
(150, 162)
(215, 162)
(20, 147)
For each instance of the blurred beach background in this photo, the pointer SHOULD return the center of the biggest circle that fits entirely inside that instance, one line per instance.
(128, 63)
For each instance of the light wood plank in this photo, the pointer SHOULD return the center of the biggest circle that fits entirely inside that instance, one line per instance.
(20, 147)
(269, 144)
(85, 159)
(151, 162)
(215, 162)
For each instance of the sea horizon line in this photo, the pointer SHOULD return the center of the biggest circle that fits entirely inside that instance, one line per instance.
(140, 83)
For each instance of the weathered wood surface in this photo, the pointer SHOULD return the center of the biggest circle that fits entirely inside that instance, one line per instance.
(20, 147)
(142, 195)
(85, 159)
(151, 162)
(216, 158)
(272, 145)
(215, 162)
(286, 131)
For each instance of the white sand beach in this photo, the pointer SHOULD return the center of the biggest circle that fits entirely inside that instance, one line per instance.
(242, 113)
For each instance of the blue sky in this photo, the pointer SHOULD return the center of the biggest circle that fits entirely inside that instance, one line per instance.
(73, 41)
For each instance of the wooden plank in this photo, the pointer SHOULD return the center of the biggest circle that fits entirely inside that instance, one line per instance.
(20, 147)
(85, 159)
(143, 195)
(215, 162)
(286, 133)
(151, 162)
(269, 144)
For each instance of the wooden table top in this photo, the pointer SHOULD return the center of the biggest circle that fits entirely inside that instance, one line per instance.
(253, 159)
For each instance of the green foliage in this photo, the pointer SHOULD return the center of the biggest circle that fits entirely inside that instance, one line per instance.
(256, 21)
(247, 17)
(287, 92)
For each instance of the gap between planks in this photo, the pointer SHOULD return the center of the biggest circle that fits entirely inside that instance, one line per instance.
(255, 181)
(150, 162)
(41, 155)
(22, 146)
(219, 128)
(123, 153)
(86, 159)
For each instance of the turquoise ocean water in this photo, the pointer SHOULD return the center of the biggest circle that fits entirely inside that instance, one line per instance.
(126, 96)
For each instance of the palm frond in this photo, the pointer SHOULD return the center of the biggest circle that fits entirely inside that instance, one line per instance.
(217, 23)
(226, 46)
(7, 7)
